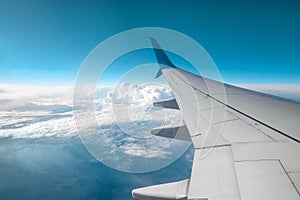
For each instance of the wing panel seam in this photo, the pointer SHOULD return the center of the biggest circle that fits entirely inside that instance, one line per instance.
(286, 173)
(278, 131)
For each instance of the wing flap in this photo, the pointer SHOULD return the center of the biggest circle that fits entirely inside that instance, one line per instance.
(169, 103)
(176, 131)
(213, 175)
(264, 179)
(168, 191)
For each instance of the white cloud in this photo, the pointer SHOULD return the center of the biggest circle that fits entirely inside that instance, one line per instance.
(139, 150)
(126, 93)
(46, 112)
(60, 127)
(36, 111)
(14, 96)
(124, 116)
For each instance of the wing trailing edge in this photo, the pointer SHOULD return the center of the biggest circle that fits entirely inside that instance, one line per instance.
(175, 190)
(175, 131)
(169, 103)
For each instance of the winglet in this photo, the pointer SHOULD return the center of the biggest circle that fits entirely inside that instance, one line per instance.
(161, 57)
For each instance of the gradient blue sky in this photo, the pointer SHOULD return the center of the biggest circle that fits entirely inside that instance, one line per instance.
(45, 42)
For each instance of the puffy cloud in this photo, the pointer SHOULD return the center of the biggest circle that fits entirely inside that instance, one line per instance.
(127, 93)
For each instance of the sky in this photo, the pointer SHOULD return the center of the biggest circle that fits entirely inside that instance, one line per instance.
(45, 42)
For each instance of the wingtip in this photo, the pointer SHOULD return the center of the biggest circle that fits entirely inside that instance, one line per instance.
(161, 57)
(154, 43)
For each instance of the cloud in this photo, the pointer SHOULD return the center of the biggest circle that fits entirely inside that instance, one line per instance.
(48, 113)
(124, 115)
(126, 93)
(20, 95)
(35, 111)
(61, 127)
(139, 150)
(4, 101)
(64, 160)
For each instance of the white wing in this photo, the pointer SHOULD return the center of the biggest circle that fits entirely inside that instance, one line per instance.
(246, 143)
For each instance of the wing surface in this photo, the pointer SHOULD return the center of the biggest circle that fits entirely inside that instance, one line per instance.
(246, 143)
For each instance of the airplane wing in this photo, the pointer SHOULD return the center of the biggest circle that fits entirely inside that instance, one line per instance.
(246, 143)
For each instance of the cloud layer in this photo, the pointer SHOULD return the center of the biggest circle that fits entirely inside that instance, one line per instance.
(124, 116)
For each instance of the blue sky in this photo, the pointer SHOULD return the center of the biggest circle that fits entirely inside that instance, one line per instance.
(45, 42)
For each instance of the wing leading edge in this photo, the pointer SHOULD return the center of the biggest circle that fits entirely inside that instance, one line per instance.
(246, 143)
